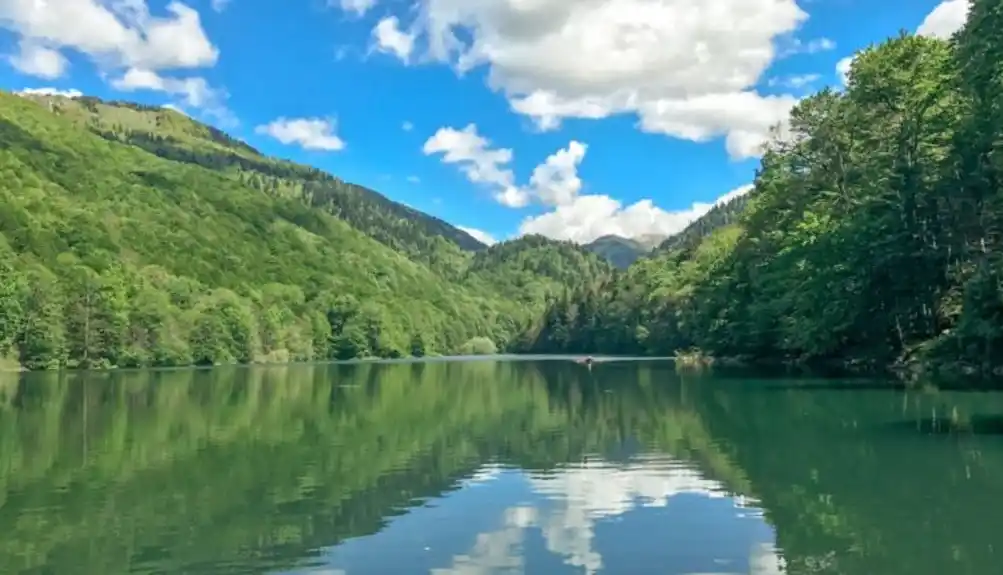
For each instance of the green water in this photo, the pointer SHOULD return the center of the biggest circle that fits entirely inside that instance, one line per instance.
(493, 467)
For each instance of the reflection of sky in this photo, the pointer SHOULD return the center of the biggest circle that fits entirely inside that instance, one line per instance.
(652, 515)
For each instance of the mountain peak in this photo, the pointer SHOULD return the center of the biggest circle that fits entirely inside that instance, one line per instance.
(618, 250)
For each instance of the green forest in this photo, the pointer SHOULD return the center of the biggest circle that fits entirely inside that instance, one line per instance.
(872, 237)
(134, 236)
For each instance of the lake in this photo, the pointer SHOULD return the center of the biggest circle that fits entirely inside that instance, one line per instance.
(481, 467)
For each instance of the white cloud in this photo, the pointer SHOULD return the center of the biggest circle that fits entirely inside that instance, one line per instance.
(71, 93)
(479, 235)
(407, 126)
(944, 20)
(498, 551)
(219, 5)
(308, 133)
(843, 69)
(592, 216)
(194, 92)
(678, 65)
(120, 35)
(572, 501)
(555, 183)
(797, 46)
(34, 59)
(796, 81)
(358, 7)
(391, 39)
(737, 114)
(481, 163)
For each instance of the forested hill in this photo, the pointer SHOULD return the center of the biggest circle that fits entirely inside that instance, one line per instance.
(132, 236)
(719, 216)
(619, 251)
(174, 136)
(873, 235)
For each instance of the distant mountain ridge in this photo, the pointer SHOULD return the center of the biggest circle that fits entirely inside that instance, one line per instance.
(621, 252)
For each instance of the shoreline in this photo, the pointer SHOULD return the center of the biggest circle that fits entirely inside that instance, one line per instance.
(911, 371)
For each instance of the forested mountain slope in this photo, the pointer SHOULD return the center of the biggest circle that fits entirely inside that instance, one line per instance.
(621, 252)
(874, 234)
(719, 216)
(113, 255)
(174, 136)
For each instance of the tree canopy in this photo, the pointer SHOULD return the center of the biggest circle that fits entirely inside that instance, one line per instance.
(134, 236)
(872, 235)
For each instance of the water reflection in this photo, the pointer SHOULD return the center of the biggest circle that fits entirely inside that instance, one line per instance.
(492, 467)
(654, 514)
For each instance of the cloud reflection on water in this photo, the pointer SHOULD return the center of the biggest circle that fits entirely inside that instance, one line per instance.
(573, 499)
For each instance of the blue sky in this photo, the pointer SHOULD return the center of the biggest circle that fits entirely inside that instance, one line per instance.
(570, 119)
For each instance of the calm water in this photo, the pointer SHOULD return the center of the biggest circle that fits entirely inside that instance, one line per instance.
(493, 467)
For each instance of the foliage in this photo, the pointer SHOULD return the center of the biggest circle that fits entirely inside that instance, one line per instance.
(205, 252)
(720, 215)
(479, 346)
(873, 235)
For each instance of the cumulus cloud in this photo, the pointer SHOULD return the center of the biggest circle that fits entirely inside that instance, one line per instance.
(478, 160)
(552, 183)
(308, 133)
(357, 7)
(122, 34)
(34, 59)
(555, 184)
(116, 36)
(71, 93)
(389, 38)
(685, 69)
(944, 20)
(843, 69)
(592, 216)
(479, 235)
